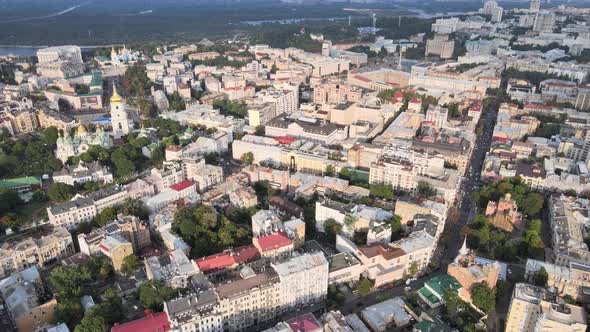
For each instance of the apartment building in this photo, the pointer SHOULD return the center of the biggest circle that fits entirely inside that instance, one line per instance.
(35, 251)
(60, 61)
(535, 309)
(261, 114)
(128, 227)
(336, 93)
(116, 248)
(400, 167)
(71, 214)
(572, 280)
(314, 130)
(108, 197)
(441, 46)
(567, 216)
(285, 98)
(303, 280)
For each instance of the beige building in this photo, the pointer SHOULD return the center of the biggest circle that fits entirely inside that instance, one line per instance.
(534, 309)
(116, 248)
(35, 251)
(440, 45)
(336, 93)
(572, 280)
(50, 118)
(108, 197)
(130, 228)
(71, 214)
(260, 114)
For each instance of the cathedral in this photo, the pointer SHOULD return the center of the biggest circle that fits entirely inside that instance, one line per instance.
(123, 56)
(68, 146)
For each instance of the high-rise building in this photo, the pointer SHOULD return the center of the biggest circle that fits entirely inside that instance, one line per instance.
(491, 8)
(440, 45)
(544, 22)
(535, 6)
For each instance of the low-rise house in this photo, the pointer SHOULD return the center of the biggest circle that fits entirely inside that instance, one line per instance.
(433, 292)
(108, 197)
(175, 269)
(82, 173)
(243, 197)
(388, 314)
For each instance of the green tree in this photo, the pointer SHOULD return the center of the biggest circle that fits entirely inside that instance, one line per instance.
(332, 228)
(260, 130)
(135, 207)
(330, 170)
(61, 192)
(70, 281)
(541, 277)
(68, 311)
(364, 287)
(247, 158)
(106, 215)
(426, 189)
(413, 269)
(147, 108)
(176, 103)
(50, 135)
(135, 81)
(152, 294)
(130, 265)
(533, 204)
(395, 222)
(92, 324)
(384, 191)
(483, 297)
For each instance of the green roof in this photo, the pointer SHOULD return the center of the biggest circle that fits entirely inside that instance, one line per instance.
(429, 296)
(424, 326)
(441, 283)
(96, 79)
(19, 182)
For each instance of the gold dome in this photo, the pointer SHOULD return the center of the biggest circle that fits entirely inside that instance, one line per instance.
(81, 130)
(116, 98)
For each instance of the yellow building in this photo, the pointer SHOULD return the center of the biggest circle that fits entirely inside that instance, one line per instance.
(116, 248)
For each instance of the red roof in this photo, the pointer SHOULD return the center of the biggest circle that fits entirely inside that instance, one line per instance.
(362, 78)
(215, 262)
(180, 186)
(304, 323)
(273, 241)
(152, 322)
(538, 106)
(285, 139)
(415, 101)
(226, 259)
(103, 247)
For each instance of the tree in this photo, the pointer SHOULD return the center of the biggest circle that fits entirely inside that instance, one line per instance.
(61, 192)
(384, 191)
(247, 158)
(39, 196)
(176, 103)
(130, 265)
(135, 207)
(330, 170)
(332, 228)
(413, 269)
(147, 108)
(533, 204)
(152, 294)
(135, 81)
(63, 105)
(395, 222)
(260, 130)
(92, 324)
(364, 287)
(106, 216)
(68, 311)
(50, 135)
(483, 297)
(541, 277)
(426, 189)
(70, 281)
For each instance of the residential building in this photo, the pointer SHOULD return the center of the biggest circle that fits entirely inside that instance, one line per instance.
(441, 46)
(60, 61)
(130, 228)
(243, 197)
(38, 250)
(303, 280)
(344, 268)
(534, 309)
(22, 294)
(108, 197)
(393, 313)
(544, 22)
(116, 248)
(82, 173)
(336, 93)
(175, 269)
(568, 217)
(151, 322)
(261, 114)
(71, 214)
(275, 246)
(433, 292)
